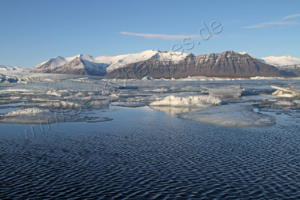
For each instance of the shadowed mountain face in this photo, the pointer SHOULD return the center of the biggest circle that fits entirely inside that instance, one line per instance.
(227, 64)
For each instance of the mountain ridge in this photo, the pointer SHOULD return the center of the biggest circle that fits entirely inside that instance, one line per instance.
(226, 64)
(162, 64)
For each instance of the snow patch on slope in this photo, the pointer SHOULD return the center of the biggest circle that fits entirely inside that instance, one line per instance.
(171, 56)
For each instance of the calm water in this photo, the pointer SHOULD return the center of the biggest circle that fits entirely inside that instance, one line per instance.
(149, 155)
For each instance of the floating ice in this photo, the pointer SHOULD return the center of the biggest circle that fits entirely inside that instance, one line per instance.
(45, 116)
(9, 79)
(285, 92)
(187, 101)
(235, 115)
(61, 105)
(147, 78)
(31, 116)
(226, 92)
(58, 93)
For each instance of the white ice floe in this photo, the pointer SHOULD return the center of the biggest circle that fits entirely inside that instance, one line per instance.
(264, 78)
(31, 116)
(235, 115)
(226, 92)
(58, 93)
(98, 103)
(77, 103)
(61, 105)
(15, 90)
(187, 101)
(285, 92)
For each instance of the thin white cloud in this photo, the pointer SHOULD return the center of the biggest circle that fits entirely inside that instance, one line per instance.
(283, 21)
(265, 24)
(159, 36)
(291, 16)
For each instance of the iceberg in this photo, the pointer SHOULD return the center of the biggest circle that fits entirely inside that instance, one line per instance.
(285, 92)
(187, 101)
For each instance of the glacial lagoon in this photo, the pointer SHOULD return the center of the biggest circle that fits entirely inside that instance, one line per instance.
(201, 138)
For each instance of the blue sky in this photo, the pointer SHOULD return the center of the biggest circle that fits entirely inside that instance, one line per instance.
(35, 30)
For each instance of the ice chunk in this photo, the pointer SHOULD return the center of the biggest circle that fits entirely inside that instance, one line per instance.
(187, 101)
(226, 92)
(98, 104)
(58, 93)
(234, 115)
(45, 116)
(285, 92)
(147, 78)
(61, 105)
(31, 116)
(9, 79)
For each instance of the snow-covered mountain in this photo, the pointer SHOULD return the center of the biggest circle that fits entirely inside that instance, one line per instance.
(178, 65)
(287, 63)
(5, 68)
(84, 64)
(120, 61)
(166, 64)
(280, 61)
(79, 64)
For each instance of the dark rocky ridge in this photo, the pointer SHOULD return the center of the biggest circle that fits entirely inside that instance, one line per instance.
(226, 64)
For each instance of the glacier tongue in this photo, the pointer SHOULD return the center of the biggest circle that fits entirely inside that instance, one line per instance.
(119, 61)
